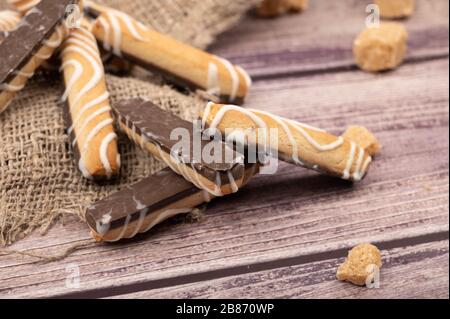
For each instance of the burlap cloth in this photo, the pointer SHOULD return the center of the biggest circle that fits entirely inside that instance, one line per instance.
(39, 182)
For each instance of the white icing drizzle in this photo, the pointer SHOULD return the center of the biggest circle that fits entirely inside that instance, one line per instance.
(8, 20)
(83, 169)
(357, 175)
(78, 72)
(213, 79)
(24, 5)
(232, 181)
(89, 119)
(124, 229)
(107, 30)
(234, 76)
(103, 226)
(84, 44)
(142, 214)
(248, 79)
(111, 24)
(56, 42)
(11, 87)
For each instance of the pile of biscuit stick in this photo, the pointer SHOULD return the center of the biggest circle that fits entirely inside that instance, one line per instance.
(44, 33)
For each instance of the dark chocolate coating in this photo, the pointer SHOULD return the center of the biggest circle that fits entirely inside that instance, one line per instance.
(152, 193)
(29, 36)
(157, 125)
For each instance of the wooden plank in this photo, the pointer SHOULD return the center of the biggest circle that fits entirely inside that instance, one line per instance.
(291, 214)
(321, 38)
(408, 272)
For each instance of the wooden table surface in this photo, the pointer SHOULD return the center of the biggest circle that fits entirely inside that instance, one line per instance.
(284, 236)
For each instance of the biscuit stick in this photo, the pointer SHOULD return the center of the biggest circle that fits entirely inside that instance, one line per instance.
(298, 143)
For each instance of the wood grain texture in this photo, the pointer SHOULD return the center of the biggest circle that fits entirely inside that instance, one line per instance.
(295, 213)
(321, 38)
(408, 272)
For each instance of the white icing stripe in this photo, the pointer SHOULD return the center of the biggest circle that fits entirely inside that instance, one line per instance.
(88, 41)
(232, 181)
(142, 214)
(8, 20)
(89, 119)
(351, 156)
(165, 215)
(11, 87)
(107, 32)
(83, 169)
(124, 229)
(56, 42)
(104, 152)
(366, 165)
(101, 99)
(24, 5)
(24, 74)
(288, 127)
(248, 79)
(75, 76)
(112, 22)
(95, 131)
(131, 25)
(79, 43)
(234, 78)
(213, 86)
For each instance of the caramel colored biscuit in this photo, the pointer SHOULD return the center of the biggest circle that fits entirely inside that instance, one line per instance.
(391, 9)
(383, 48)
(359, 264)
(298, 143)
(89, 114)
(180, 63)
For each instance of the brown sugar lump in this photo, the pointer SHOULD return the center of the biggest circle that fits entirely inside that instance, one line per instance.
(364, 138)
(273, 8)
(381, 48)
(360, 264)
(392, 9)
